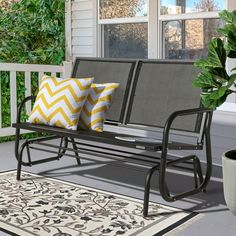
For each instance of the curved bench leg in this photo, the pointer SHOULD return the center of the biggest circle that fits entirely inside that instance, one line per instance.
(147, 189)
(62, 150)
(197, 171)
(76, 151)
(19, 150)
(19, 159)
(208, 161)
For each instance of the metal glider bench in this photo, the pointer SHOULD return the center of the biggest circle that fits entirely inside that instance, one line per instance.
(155, 97)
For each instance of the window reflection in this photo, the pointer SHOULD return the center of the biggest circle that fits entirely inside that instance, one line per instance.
(188, 39)
(122, 8)
(126, 40)
(188, 6)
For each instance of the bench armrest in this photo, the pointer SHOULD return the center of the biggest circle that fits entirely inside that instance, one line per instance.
(176, 114)
(163, 164)
(21, 105)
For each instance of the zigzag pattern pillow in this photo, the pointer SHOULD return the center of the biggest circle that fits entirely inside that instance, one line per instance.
(60, 101)
(98, 101)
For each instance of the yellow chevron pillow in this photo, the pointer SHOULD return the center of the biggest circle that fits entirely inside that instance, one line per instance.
(95, 108)
(59, 101)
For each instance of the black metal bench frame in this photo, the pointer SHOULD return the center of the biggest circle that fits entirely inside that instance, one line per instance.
(157, 164)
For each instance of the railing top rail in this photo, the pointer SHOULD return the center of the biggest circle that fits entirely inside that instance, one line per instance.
(64, 71)
(30, 67)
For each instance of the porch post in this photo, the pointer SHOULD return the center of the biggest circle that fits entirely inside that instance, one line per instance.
(68, 29)
(67, 69)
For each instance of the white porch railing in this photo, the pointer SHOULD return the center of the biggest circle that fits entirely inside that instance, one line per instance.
(26, 69)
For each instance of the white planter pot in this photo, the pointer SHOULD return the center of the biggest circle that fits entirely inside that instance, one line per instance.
(229, 179)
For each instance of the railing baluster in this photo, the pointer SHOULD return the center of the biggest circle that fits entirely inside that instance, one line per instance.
(13, 96)
(54, 74)
(28, 90)
(0, 99)
(27, 69)
(40, 75)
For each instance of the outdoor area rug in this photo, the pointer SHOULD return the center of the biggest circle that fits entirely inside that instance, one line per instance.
(38, 205)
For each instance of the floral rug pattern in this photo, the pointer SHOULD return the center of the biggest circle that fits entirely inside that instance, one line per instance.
(37, 205)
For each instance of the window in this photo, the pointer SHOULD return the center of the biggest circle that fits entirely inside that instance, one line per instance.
(187, 26)
(110, 9)
(125, 40)
(124, 28)
(170, 29)
(188, 39)
(189, 6)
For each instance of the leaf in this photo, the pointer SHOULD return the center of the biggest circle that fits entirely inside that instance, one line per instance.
(231, 40)
(228, 17)
(232, 54)
(56, 212)
(232, 80)
(35, 215)
(46, 221)
(142, 223)
(131, 217)
(220, 80)
(96, 230)
(229, 31)
(211, 103)
(46, 229)
(204, 80)
(126, 212)
(216, 56)
(218, 93)
(36, 223)
(19, 221)
(73, 217)
(223, 31)
(69, 224)
(216, 53)
(202, 63)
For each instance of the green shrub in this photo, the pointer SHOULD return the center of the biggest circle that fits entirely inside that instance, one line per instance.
(31, 31)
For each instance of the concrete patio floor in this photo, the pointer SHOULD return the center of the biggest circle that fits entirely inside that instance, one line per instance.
(215, 217)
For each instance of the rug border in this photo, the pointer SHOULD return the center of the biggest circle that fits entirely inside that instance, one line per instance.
(176, 224)
(160, 233)
(8, 232)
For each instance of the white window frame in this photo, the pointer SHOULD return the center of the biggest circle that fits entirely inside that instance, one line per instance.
(120, 20)
(175, 17)
(155, 41)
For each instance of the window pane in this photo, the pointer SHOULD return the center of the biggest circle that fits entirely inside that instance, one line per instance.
(126, 40)
(122, 8)
(187, 6)
(188, 39)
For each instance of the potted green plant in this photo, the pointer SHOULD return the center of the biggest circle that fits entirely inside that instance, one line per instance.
(216, 84)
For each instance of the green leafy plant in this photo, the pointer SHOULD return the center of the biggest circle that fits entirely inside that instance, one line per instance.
(31, 31)
(215, 82)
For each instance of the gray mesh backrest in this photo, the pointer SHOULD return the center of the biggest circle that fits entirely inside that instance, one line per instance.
(163, 87)
(106, 71)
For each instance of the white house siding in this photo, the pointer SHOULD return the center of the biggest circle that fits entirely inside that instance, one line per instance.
(83, 28)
